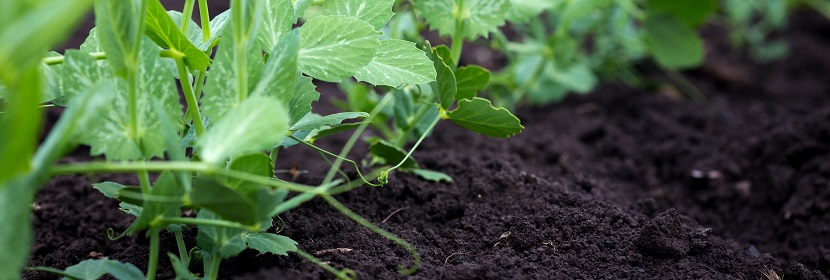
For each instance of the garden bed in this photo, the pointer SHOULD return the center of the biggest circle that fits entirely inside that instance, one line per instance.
(622, 183)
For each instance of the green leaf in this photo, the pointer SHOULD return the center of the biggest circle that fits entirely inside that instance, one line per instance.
(446, 55)
(691, 12)
(431, 175)
(193, 32)
(109, 189)
(29, 28)
(478, 17)
(479, 115)
(335, 47)
(523, 10)
(279, 76)
(165, 32)
(577, 10)
(226, 242)
(397, 62)
(95, 269)
(256, 164)
(111, 135)
(578, 77)
(119, 32)
(166, 197)
(470, 80)
(299, 8)
(375, 12)
(231, 205)
(257, 124)
(270, 243)
(309, 124)
(223, 92)
(80, 71)
(305, 92)
(673, 44)
(278, 17)
(20, 125)
(217, 27)
(391, 154)
(17, 197)
(182, 273)
(445, 84)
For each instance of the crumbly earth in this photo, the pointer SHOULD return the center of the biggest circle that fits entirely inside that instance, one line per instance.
(624, 183)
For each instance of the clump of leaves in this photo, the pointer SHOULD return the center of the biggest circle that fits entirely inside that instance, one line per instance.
(251, 99)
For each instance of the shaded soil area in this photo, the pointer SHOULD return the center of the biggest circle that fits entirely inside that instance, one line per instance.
(623, 183)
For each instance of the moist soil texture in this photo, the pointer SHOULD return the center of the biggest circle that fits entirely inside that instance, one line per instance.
(623, 183)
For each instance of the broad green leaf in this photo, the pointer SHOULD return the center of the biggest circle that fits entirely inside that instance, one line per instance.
(29, 28)
(330, 120)
(577, 10)
(279, 76)
(691, 12)
(256, 163)
(673, 44)
(20, 125)
(193, 32)
(278, 17)
(165, 32)
(477, 17)
(578, 77)
(470, 80)
(223, 92)
(444, 85)
(119, 32)
(391, 154)
(524, 10)
(431, 175)
(403, 109)
(479, 115)
(226, 242)
(444, 52)
(258, 123)
(80, 71)
(17, 197)
(397, 62)
(95, 269)
(217, 27)
(111, 133)
(166, 197)
(231, 205)
(52, 80)
(305, 92)
(109, 189)
(270, 243)
(375, 12)
(336, 47)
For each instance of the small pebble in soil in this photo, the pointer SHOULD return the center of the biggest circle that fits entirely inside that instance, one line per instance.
(664, 237)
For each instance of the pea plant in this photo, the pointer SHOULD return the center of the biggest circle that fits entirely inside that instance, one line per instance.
(246, 76)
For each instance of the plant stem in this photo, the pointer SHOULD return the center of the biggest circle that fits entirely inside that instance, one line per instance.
(337, 273)
(182, 248)
(215, 261)
(190, 96)
(144, 181)
(412, 124)
(421, 139)
(273, 155)
(128, 167)
(205, 19)
(205, 222)
(187, 13)
(336, 156)
(60, 59)
(240, 56)
(388, 235)
(349, 144)
(154, 253)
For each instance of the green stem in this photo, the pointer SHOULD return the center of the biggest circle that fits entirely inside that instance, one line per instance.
(412, 124)
(356, 184)
(144, 181)
(240, 57)
(344, 274)
(60, 59)
(205, 19)
(190, 96)
(182, 248)
(205, 222)
(273, 155)
(412, 150)
(356, 135)
(187, 13)
(154, 253)
(215, 261)
(356, 167)
(159, 166)
(388, 235)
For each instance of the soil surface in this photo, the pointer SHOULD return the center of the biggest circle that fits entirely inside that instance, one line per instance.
(623, 183)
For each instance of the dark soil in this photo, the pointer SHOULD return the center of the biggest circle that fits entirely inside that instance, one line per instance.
(624, 183)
